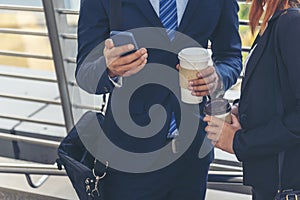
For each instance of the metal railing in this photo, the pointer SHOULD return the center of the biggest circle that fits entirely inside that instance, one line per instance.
(51, 17)
(60, 80)
(29, 140)
(55, 15)
(52, 25)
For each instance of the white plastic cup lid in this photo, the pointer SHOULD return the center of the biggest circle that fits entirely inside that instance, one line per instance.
(194, 54)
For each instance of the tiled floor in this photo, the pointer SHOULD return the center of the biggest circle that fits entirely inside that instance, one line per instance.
(60, 187)
(55, 186)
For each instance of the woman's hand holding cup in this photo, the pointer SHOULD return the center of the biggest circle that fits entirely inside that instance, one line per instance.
(222, 124)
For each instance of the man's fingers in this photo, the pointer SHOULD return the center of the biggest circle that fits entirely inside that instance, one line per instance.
(109, 44)
(205, 84)
(121, 70)
(203, 81)
(203, 88)
(201, 94)
(118, 51)
(142, 53)
(132, 62)
(135, 70)
(206, 72)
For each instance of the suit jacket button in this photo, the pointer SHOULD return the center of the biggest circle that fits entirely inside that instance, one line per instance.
(244, 119)
(105, 89)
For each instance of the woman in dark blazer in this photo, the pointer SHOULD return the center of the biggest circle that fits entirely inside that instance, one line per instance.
(268, 122)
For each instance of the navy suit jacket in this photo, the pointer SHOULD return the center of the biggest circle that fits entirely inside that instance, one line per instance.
(270, 106)
(214, 20)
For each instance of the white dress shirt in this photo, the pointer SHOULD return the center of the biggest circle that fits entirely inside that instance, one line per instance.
(247, 60)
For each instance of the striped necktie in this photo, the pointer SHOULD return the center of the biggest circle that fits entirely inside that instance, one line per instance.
(168, 16)
(173, 131)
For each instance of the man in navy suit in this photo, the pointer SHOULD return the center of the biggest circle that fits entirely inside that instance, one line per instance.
(200, 21)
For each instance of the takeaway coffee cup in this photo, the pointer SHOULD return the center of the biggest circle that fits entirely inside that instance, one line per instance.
(192, 60)
(219, 108)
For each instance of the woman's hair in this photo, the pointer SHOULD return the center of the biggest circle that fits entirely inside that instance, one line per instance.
(257, 10)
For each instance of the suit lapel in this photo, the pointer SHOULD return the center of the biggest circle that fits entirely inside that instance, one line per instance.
(147, 10)
(257, 53)
(188, 14)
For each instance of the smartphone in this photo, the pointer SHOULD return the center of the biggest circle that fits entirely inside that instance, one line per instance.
(121, 38)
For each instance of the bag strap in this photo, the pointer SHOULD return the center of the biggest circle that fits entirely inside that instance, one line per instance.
(280, 111)
(279, 107)
(281, 156)
(115, 22)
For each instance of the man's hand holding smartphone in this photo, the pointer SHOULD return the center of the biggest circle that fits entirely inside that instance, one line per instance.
(120, 63)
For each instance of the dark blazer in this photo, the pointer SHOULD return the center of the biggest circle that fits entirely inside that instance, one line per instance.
(204, 20)
(271, 85)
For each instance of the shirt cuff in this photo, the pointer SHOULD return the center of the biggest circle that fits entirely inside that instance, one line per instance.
(117, 81)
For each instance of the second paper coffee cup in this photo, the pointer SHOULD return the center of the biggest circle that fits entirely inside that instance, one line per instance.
(192, 60)
(219, 108)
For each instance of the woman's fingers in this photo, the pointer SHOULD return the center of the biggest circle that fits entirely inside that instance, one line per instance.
(213, 129)
(214, 121)
(234, 120)
(213, 137)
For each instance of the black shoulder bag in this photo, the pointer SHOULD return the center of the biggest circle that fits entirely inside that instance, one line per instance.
(84, 171)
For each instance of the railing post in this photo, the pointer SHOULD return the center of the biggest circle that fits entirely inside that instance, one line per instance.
(51, 17)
